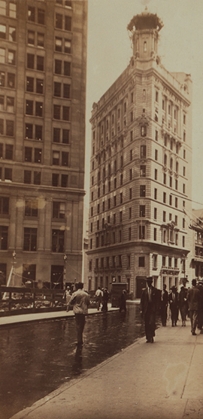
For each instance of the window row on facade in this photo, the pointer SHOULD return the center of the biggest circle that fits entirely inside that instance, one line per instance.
(119, 217)
(169, 106)
(32, 206)
(125, 261)
(7, 79)
(34, 177)
(30, 239)
(36, 108)
(37, 62)
(118, 236)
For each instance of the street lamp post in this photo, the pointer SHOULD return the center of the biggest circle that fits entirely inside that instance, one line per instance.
(64, 270)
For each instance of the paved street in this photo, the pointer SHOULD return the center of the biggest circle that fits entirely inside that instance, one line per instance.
(163, 380)
(37, 356)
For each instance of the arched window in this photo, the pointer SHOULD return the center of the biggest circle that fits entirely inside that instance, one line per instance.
(145, 46)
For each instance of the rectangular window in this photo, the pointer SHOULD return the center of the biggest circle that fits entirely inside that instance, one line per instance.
(65, 136)
(8, 174)
(12, 34)
(9, 152)
(31, 38)
(38, 132)
(30, 61)
(142, 171)
(30, 84)
(66, 90)
(55, 179)
(37, 155)
(31, 14)
(56, 135)
(155, 193)
(12, 10)
(155, 213)
(10, 128)
(64, 158)
(40, 39)
(57, 112)
(164, 197)
(58, 66)
(58, 210)
(41, 16)
(10, 104)
(142, 191)
(37, 178)
(38, 108)
(39, 86)
(142, 210)
(141, 232)
(155, 234)
(68, 21)
(164, 216)
(40, 63)
(4, 205)
(58, 241)
(143, 151)
(10, 80)
(2, 78)
(130, 193)
(4, 238)
(3, 7)
(57, 89)
(64, 181)
(59, 21)
(56, 158)
(58, 44)
(11, 57)
(66, 113)
(28, 154)
(141, 261)
(30, 239)
(31, 208)
(67, 69)
(29, 107)
(67, 46)
(27, 176)
(2, 55)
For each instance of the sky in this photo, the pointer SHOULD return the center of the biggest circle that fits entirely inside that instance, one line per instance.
(180, 48)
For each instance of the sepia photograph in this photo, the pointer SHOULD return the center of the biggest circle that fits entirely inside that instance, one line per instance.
(101, 209)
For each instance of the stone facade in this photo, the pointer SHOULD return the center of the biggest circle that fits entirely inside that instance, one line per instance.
(42, 123)
(141, 170)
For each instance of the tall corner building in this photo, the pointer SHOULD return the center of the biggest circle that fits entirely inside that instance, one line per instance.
(141, 170)
(42, 139)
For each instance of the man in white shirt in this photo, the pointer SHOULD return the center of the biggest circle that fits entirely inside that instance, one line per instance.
(80, 301)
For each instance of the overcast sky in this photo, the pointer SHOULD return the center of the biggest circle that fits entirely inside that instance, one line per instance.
(180, 49)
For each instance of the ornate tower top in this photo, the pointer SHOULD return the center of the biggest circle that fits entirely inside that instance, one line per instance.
(144, 32)
(145, 20)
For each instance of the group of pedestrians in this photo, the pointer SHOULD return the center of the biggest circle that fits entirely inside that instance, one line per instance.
(102, 297)
(187, 302)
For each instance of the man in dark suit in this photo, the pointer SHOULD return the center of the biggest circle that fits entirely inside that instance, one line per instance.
(193, 298)
(149, 304)
(164, 305)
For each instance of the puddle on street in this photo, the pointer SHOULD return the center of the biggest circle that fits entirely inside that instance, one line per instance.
(36, 358)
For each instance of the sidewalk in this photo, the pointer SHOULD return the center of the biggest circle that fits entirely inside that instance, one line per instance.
(30, 317)
(163, 380)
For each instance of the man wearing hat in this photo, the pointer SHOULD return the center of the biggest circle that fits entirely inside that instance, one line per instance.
(149, 305)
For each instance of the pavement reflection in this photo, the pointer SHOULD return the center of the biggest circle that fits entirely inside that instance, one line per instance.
(36, 359)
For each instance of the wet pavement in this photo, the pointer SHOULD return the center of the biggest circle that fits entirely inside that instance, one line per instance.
(36, 359)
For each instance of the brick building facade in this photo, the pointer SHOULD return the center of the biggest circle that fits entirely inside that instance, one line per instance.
(42, 138)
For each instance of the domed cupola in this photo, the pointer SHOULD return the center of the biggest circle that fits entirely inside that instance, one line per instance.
(144, 32)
